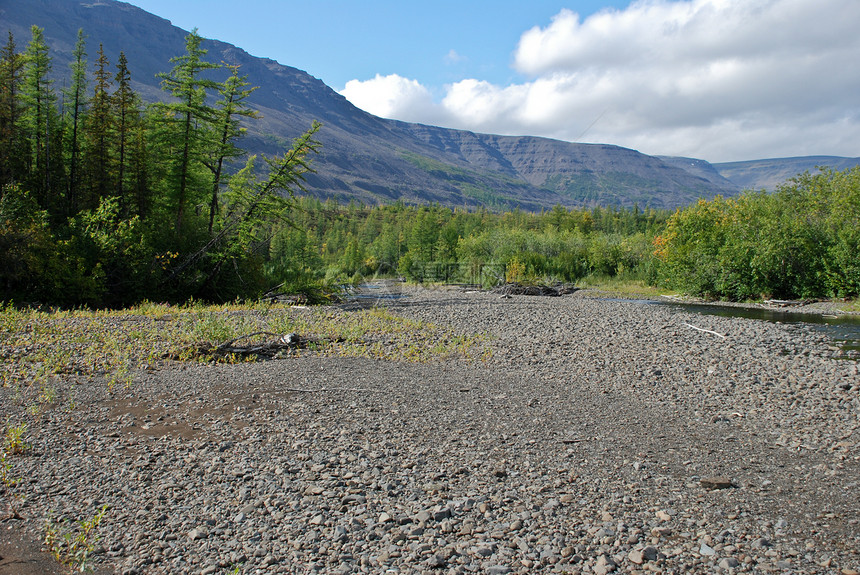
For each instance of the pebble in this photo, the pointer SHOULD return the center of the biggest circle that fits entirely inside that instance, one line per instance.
(595, 436)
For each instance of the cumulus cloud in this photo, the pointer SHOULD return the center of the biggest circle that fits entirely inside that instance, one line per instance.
(392, 96)
(716, 79)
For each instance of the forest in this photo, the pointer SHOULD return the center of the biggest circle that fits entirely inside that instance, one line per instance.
(107, 202)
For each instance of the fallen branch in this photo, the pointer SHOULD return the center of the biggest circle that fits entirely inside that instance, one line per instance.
(266, 348)
(788, 302)
(574, 440)
(326, 389)
(705, 330)
(229, 343)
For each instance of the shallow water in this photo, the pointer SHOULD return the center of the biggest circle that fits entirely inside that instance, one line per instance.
(844, 330)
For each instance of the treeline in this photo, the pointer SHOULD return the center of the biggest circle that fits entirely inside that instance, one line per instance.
(803, 241)
(105, 201)
(339, 244)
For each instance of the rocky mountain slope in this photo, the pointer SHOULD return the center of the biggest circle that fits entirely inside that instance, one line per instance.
(758, 174)
(768, 174)
(366, 158)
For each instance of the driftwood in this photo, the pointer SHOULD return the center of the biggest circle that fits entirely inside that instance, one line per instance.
(519, 289)
(705, 330)
(788, 302)
(267, 349)
(572, 440)
(328, 389)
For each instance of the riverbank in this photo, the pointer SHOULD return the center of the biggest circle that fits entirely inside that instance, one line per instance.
(587, 436)
(636, 290)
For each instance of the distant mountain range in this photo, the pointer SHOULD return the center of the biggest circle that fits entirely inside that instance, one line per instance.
(375, 160)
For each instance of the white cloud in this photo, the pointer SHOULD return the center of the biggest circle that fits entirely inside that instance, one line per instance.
(715, 79)
(391, 96)
(452, 57)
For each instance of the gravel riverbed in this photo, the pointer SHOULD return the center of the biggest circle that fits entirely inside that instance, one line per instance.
(593, 437)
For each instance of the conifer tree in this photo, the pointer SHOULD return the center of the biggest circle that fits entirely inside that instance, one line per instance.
(126, 117)
(76, 102)
(98, 127)
(39, 114)
(191, 116)
(11, 69)
(231, 109)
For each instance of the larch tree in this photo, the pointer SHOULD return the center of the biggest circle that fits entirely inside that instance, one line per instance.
(126, 117)
(230, 111)
(39, 114)
(11, 70)
(191, 115)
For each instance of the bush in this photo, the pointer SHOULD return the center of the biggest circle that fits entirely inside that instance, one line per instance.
(801, 241)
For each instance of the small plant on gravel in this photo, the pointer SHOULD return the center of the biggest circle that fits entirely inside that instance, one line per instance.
(13, 444)
(72, 545)
(48, 394)
(13, 441)
(213, 328)
(120, 375)
(14, 500)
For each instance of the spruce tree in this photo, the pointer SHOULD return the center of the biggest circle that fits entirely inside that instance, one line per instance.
(76, 103)
(126, 117)
(98, 127)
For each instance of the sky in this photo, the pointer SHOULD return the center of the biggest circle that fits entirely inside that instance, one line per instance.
(719, 80)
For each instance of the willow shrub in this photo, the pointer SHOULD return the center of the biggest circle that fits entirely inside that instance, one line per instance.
(551, 255)
(801, 241)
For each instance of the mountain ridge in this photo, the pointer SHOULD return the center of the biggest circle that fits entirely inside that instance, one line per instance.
(367, 158)
(769, 173)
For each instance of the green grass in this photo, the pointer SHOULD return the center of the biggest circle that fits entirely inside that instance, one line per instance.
(621, 286)
(37, 346)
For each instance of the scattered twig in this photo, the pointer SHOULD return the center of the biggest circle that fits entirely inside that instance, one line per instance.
(705, 330)
(510, 289)
(266, 348)
(788, 302)
(229, 344)
(326, 389)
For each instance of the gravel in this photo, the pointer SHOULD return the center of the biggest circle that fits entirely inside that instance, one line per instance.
(596, 437)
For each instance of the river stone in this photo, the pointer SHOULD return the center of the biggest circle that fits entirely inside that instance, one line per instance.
(706, 550)
(716, 482)
(383, 431)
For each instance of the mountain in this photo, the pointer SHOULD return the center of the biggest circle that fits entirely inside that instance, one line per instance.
(366, 158)
(768, 174)
(702, 169)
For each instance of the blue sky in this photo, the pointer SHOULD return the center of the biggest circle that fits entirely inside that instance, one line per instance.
(720, 80)
(436, 43)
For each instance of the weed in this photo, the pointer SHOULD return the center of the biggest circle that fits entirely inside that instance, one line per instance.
(120, 375)
(39, 345)
(213, 328)
(14, 500)
(48, 394)
(72, 545)
(13, 442)
(619, 285)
